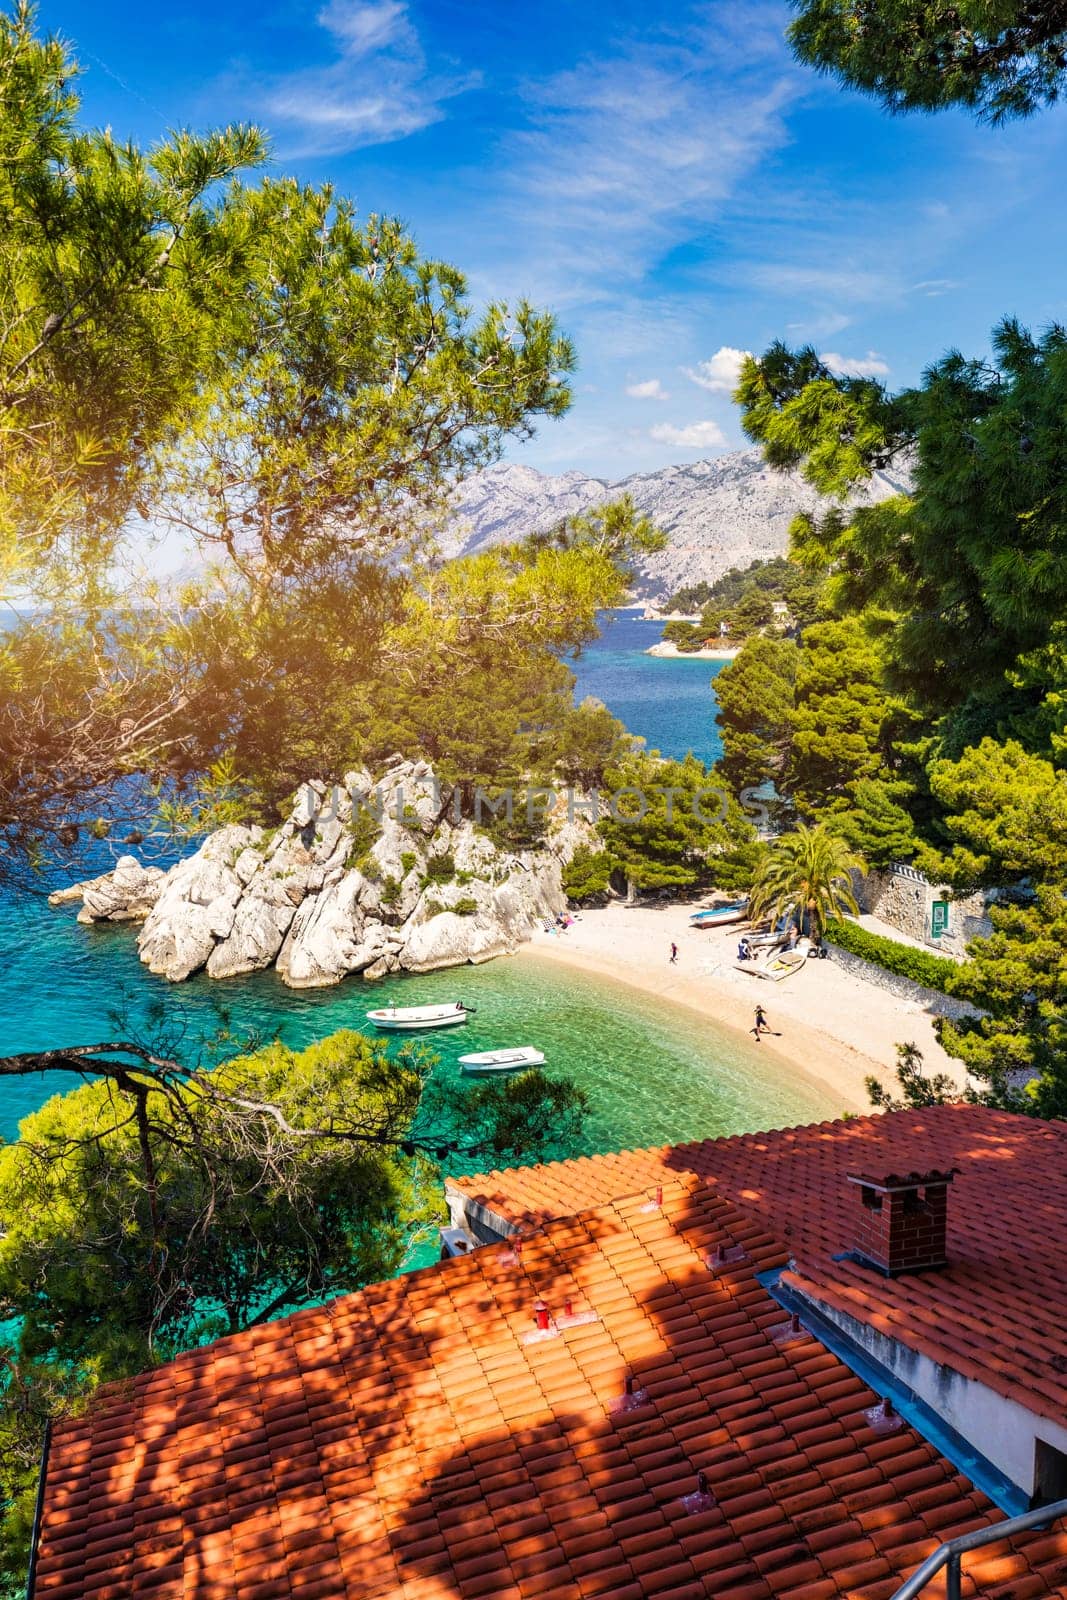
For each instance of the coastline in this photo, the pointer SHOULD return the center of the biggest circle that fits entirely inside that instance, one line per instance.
(828, 1026)
(670, 652)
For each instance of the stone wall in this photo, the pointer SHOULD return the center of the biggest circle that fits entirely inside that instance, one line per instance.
(903, 898)
(931, 1000)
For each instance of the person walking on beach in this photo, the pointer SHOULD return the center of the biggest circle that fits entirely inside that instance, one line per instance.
(761, 1023)
(674, 955)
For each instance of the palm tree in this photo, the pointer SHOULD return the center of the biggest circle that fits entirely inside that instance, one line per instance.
(806, 872)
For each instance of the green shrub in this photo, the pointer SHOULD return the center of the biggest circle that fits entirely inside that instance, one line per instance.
(365, 832)
(586, 874)
(439, 869)
(921, 966)
(390, 891)
(408, 861)
(465, 907)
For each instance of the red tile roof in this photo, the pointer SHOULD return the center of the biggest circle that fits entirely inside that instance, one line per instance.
(997, 1313)
(414, 1441)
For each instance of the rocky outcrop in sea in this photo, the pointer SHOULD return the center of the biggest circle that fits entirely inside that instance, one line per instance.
(352, 882)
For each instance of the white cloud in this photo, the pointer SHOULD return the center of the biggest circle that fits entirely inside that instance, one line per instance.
(693, 436)
(721, 372)
(869, 366)
(650, 389)
(377, 89)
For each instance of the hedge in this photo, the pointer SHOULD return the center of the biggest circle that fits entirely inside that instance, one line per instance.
(922, 967)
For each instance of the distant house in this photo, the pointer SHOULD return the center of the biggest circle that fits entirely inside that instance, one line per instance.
(783, 1366)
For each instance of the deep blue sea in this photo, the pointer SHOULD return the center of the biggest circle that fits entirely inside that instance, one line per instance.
(653, 1074)
(669, 702)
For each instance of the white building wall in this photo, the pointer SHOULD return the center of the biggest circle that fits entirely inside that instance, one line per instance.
(1001, 1430)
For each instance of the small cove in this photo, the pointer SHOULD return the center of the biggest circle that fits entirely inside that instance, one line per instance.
(653, 1072)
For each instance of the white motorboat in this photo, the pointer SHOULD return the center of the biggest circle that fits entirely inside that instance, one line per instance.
(515, 1060)
(409, 1019)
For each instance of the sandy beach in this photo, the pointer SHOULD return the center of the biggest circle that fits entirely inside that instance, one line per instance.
(827, 1024)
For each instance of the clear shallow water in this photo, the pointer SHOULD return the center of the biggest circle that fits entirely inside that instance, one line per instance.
(652, 1074)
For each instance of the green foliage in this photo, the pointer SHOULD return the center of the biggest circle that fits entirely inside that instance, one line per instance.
(115, 277)
(742, 595)
(743, 600)
(876, 825)
(755, 694)
(685, 636)
(917, 1091)
(966, 574)
(398, 386)
(1000, 61)
(465, 906)
(920, 966)
(1006, 819)
(523, 1116)
(440, 868)
(408, 861)
(102, 1270)
(1005, 815)
(590, 741)
(587, 874)
(842, 717)
(671, 823)
(391, 890)
(806, 876)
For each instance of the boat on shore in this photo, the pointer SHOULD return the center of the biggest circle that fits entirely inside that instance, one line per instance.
(720, 916)
(409, 1019)
(777, 964)
(521, 1058)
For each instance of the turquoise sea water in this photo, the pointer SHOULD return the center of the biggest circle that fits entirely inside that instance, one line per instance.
(652, 1073)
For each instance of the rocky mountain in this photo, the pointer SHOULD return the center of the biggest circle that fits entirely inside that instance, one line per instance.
(717, 514)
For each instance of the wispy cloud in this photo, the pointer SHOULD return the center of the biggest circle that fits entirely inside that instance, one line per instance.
(691, 436)
(625, 154)
(378, 88)
(869, 366)
(856, 285)
(649, 389)
(721, 372)
(934, 287)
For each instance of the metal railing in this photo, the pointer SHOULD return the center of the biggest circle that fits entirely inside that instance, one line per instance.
(950, 1556)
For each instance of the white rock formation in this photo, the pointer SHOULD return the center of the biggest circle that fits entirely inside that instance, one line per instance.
(320, 902)
(126, 894)
(196, 908)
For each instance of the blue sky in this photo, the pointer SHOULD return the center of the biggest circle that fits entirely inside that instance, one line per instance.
(666, 179)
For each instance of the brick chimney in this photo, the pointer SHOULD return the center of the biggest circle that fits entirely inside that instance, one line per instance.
(901, 1222)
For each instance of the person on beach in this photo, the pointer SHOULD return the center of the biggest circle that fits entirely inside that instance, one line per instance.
(761, 1023)
(674, 955)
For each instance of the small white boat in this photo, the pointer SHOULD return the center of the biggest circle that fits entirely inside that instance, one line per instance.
(503, 1060)
(405, 1019)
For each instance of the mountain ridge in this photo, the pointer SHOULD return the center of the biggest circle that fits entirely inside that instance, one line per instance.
(718, 513)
